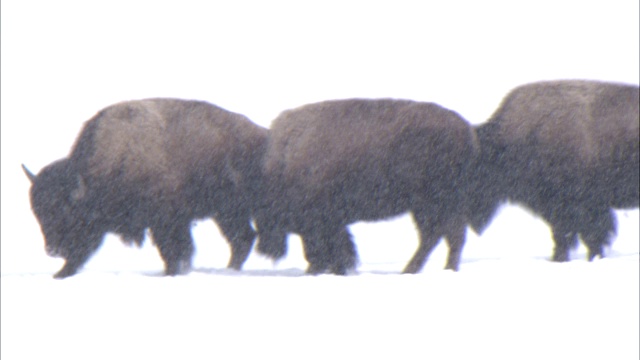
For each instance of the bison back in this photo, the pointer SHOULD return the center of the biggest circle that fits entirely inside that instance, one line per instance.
(159, 144)
(385, 150)
(573, 131)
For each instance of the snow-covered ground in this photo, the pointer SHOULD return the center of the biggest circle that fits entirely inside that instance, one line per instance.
(64, 60)
(507, 301)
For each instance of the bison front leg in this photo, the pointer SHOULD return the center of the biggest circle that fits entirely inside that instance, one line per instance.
(272, 239)
(240, 236)
(427, 244)
(175, 244)
(332, 251)
(317, 252)
(344, 256)
(564, 239)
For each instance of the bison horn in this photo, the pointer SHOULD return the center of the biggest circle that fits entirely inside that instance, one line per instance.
(80, 191)
(30, 175)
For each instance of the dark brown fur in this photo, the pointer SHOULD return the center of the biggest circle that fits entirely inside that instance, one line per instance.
(568, 150)
(158, 164)
(334, 163)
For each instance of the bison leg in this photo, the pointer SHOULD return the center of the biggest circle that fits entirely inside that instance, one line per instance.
(597, 231)
(344, 255)
(427, 244)
(594, 245)
(429, 238)
(335, 253)
(317, 253)
(455, 239)
(272, 241)
(175, 244)
(240, 236)
(564, 240)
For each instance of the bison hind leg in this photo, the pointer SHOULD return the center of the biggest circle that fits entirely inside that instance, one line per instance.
(598, 231)
(240, 236)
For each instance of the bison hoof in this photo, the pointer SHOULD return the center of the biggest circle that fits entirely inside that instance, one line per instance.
(180, 268)
(411, 269)
(452, 267)
(236, 263)
(316, 269)
(592, 255)
(64, 273)
(560, 257)
(341, 269)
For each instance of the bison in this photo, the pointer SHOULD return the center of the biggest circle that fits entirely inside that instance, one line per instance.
(567, 150)
(333, 163)
(157, 164)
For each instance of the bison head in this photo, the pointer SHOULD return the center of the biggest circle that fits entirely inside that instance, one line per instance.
(269, 221)
(489, 186)
(482, 209)
(57, 199)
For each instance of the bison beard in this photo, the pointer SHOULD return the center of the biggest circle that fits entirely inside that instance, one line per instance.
(158, 164)
(334, 163)
(568, 150)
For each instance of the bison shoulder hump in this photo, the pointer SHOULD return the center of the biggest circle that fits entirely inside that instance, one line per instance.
(128, 138)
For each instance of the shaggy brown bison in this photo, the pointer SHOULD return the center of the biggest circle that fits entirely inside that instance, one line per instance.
(334, 163)
(158, 164)
(568, 150)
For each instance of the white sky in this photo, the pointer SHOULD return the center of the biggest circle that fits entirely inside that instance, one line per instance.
(62, 61)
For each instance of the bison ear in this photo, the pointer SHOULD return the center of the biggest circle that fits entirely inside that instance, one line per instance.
(79, 192)
(29, 174)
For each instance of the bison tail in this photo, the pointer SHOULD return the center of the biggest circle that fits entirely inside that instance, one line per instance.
(272, 245)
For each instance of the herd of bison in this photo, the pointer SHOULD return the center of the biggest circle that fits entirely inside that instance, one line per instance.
(566, 150)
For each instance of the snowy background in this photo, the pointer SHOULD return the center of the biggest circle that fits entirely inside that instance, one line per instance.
(62, 61)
